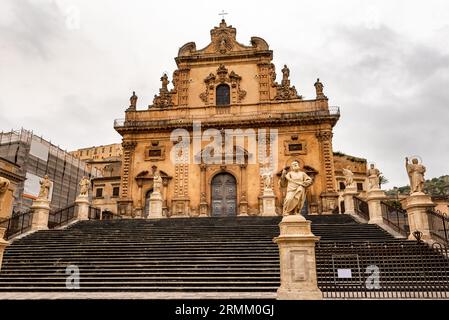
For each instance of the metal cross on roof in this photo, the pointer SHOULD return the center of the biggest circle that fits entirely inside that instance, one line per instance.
(222, 14)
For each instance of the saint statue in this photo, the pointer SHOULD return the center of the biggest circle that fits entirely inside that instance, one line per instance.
(157, 182)
(44, 190)
(415, 173)
(285, 73)
(133, 100)
(373, 177)
(84, 186)
(319, 89)
(297, 182)
(349, 177)
(165, 81)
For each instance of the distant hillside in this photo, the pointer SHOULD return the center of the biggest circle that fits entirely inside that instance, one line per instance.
(434, 187)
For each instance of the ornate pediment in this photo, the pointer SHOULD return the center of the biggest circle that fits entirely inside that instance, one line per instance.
(223, 41)
(222, 76)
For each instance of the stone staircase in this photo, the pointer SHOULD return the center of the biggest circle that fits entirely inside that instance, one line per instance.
(180, 255)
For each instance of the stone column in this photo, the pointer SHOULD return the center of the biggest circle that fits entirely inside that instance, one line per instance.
(243, 205)
(329, 196)
(374, 197)
(41, 210)
(416, 205)
(82, 203)
(3, 245)
(203, 199)
(348, 197)
(297, 260)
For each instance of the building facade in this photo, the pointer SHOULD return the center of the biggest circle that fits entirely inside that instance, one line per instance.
(35, 157)
(99, 152)
(226, 121)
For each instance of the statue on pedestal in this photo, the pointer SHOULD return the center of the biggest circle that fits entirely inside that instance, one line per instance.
(297, 182)
(349, 177)
(415, 172)
(373, 177)
(84, 186)
(157, 182)
(44, 190)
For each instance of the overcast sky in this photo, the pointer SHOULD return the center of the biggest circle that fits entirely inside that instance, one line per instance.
(67, 68)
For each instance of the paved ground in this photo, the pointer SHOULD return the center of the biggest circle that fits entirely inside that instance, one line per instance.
(134, 295)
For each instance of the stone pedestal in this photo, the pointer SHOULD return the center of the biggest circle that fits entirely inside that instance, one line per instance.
(348, 198)
(374, 197)
(41, 210)
(6, 201)
(328, 202)
(155, 206)
(297, 260)
(82, 204)
(3, 245)
(268, 203)
(416, 205)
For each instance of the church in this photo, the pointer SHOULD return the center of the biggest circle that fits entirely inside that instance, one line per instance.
(222, 133)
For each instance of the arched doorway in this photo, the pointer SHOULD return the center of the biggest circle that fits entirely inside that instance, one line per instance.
(224, 195)
(146, 210)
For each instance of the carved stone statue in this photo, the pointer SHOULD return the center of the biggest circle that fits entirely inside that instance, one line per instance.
(133, 100)
(157, 182)
(267, 180)
(84, 186)
(349, 177)
(165, 82)
(319, 89)
(285, 73)
(373, 177)
(415, 172)
(297, 182)
(44, 188)
(4, 185)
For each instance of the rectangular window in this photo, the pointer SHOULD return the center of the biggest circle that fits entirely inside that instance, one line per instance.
(342, 186)
(99, 192)
(115, 191)
(359, 186)
(295, 147)
(155, 152)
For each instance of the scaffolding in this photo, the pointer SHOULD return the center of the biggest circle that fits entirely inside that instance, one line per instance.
(37, 157)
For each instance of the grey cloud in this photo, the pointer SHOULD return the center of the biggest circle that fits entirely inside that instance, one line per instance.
(35, 25)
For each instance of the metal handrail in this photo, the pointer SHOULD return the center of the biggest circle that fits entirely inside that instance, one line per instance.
(396, 218)
(61, 217)
(17, 225)
(331, 111)
(361, 208)
(438, 224)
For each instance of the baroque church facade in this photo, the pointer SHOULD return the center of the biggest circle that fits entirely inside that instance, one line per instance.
(226, 104)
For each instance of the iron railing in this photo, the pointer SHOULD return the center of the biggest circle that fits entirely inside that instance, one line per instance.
(108, 215)
(17, 224)
(361, 208)
(382, 270)
(167, 120)
(61, 217)
(439, 225)
(94, 213)
(396, 218)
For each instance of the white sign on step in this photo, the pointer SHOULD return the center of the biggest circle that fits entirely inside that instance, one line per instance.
(344, 273)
